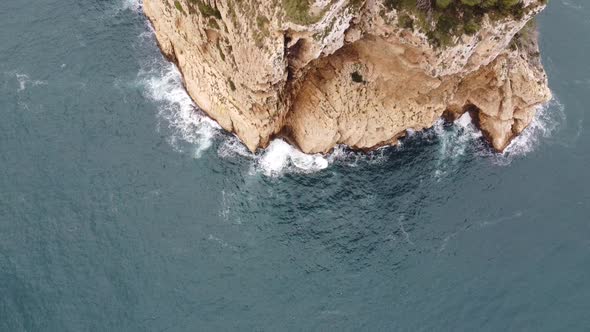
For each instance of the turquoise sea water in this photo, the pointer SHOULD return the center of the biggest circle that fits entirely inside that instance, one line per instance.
(124, 209)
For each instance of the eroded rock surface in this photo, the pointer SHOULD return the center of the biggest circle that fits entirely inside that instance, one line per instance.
(347, 71)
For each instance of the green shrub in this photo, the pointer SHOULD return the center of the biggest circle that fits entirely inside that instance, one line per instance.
(471, 27)
(442, 4)
(298, 11)
(489, 3)
(207, 10)
(471, 3)
(448, 19)
(179, 7)
(510, 3)
(405, 21)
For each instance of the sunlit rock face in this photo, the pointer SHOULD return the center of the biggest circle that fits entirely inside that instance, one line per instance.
(354, 72)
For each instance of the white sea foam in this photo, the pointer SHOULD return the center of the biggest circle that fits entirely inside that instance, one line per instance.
(341, 154)
(134, 5)
(24, 80)
(546, 122)
(120, 7)
(124, 5)
(454, 142)
(163, 84)
(280, 157)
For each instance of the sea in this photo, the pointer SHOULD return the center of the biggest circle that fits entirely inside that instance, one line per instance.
(124, 208)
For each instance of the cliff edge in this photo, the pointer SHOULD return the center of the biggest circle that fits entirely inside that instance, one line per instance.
(355, 72)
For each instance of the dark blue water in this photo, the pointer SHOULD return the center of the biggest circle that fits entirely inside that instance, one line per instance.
(123, 209)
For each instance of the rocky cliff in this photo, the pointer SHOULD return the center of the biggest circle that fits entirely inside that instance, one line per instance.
(355, 72)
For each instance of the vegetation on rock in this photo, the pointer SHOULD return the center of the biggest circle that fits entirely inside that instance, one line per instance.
(444, 20)
(205, 9)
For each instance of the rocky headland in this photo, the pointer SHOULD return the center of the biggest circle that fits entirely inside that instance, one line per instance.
(355, 72)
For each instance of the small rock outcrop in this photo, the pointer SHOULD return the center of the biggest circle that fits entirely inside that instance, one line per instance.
(355, 72)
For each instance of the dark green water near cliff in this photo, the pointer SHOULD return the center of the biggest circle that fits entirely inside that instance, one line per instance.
(122, 209)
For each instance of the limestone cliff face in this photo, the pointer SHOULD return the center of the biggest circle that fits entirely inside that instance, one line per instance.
(347, 71)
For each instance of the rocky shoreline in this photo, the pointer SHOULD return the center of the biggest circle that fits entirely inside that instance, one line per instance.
(359, 73)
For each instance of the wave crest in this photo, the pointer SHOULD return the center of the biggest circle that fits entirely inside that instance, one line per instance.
(189, 127)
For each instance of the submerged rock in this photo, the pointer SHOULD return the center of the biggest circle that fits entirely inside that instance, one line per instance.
(354, 72)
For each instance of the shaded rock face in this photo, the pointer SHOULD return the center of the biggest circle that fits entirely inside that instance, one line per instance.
(346, 71)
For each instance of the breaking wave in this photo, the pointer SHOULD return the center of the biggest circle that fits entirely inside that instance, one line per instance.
(123, 5)
(546, 122)
(464, 137)
(189, 129)
(280, 157)
(134, 5)
(454, 142)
